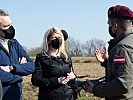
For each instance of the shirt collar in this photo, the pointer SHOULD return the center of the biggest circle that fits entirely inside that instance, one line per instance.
(55, 55)
(3, 41)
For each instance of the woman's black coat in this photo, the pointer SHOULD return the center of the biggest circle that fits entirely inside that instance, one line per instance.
(48, 70)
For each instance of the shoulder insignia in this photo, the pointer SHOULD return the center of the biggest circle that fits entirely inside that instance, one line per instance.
(119, 59)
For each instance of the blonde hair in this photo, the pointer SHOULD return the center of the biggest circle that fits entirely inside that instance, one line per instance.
(47, 35)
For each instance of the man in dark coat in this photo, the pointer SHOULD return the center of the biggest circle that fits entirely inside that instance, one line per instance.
(14, 61)
(119, 64)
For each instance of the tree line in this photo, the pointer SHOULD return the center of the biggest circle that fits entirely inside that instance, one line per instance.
(76, 48)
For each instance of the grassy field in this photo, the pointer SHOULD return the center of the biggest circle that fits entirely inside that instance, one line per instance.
(82, 66)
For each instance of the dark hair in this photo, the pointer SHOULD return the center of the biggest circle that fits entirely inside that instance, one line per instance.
(121, 20)
(3, 12)
(64, 34)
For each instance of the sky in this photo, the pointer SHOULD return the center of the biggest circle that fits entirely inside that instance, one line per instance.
(82, 19)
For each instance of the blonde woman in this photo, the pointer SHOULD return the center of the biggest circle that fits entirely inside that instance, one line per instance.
(54, 73)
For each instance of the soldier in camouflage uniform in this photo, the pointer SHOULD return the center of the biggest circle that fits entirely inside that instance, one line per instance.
(118, 84)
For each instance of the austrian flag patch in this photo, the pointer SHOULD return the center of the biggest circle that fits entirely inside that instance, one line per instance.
(119, 59)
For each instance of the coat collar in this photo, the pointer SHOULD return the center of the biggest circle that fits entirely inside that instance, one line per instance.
(114, 41)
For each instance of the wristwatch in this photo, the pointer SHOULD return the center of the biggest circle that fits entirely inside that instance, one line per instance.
(11, 68)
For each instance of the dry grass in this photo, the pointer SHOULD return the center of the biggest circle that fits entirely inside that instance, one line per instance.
(84, 60)
(82, 66)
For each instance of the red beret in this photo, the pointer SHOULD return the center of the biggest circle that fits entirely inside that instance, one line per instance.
(119, 11)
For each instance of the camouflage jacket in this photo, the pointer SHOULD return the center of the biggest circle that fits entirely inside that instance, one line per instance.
(119, 70)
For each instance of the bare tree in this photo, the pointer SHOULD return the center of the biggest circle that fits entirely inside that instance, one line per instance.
(75, 48)
(91, 45)
(34, 51)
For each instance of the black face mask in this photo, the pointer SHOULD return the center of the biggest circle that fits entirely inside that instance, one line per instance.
(9, 33)
(56, 43)
(111, 33)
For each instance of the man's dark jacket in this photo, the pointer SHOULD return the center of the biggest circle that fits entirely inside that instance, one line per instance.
(11, 82)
